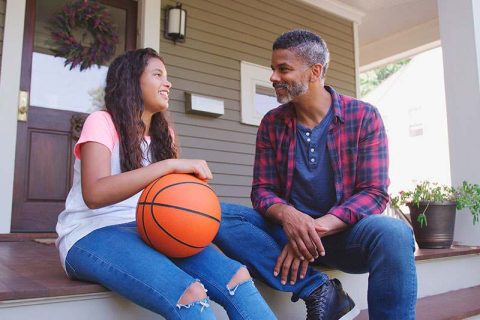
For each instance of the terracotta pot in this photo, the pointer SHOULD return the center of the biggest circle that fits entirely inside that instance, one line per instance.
(438, 233)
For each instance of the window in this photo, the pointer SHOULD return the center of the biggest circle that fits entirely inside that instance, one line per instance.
(54, 85)
(415, 123)
(257, 94)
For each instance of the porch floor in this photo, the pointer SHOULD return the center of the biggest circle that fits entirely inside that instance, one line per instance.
(30, 268)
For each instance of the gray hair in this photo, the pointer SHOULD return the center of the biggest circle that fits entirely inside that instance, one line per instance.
(309, 46)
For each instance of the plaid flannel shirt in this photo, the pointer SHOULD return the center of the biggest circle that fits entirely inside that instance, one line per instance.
(358, 149)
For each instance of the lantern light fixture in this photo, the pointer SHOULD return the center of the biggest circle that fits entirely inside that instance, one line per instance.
(175, 23)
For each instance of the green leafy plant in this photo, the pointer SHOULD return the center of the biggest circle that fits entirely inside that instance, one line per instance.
(465, 196)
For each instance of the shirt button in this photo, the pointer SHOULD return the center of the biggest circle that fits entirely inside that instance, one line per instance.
(307, 133)
(308, 139)
(312, 160)
(312, 150)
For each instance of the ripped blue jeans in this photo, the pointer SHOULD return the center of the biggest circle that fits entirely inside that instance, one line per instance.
(117, 258)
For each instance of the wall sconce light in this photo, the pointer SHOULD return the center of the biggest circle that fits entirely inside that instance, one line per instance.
(175, 23)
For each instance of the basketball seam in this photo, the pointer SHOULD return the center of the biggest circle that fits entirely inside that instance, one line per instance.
(143, 216)
(180, 208)
(184, 182)
(172, 236)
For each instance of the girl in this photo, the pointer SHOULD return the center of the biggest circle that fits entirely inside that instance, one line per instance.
(120, 151)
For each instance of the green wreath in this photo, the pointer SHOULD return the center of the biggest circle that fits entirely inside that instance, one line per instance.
(90, 17)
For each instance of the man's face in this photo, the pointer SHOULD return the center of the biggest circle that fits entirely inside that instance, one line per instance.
(290, 75)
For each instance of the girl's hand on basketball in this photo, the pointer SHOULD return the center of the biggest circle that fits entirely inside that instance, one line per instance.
(198, 167)
(289, 263)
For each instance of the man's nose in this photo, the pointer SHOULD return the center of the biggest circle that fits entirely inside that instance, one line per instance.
(274, 77)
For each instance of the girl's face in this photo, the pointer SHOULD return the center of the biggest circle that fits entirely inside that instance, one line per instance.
(155, 86)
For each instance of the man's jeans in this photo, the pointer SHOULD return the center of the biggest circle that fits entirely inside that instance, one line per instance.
(377, 244)
(117, 258)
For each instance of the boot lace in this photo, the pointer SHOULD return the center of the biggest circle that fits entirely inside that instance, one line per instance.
(317, 303)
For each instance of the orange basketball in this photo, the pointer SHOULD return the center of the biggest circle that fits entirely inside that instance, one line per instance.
(178, 215)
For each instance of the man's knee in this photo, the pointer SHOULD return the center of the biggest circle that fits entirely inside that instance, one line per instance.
(389, 231)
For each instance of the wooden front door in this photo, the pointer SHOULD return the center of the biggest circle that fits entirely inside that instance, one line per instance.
(44, 159)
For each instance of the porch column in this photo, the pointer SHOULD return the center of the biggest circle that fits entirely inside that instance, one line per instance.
(149, 18)
(460, 36)
(9, 88)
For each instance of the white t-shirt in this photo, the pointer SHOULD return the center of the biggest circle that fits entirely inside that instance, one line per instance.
(77, 220)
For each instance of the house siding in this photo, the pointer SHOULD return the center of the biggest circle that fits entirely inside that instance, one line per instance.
(220, 34)
(3, 4)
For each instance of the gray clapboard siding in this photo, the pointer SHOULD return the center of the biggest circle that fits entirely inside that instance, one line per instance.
(208, 133)
(208, 144)
(221, 34)
(230, 190)
(222, 124)
(231, 112)
(3, 4)
(225, 179)
(217, 156)
(231, 169)
(271, 16)
(216, 80)
(240, 200)
(204, 67)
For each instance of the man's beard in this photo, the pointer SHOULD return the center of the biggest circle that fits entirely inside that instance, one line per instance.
(294, 90)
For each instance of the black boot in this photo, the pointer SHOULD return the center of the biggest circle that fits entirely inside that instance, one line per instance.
(330, 302)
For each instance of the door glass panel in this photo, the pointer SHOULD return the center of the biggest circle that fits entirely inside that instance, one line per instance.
(54, 85)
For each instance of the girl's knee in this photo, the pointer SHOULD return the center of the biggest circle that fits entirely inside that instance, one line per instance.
(241, 276)
(194, 293)
(194, 304)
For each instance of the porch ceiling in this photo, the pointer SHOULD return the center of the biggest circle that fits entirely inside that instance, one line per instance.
(393, 29)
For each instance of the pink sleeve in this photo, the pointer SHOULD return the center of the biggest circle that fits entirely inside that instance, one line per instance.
(98, 127)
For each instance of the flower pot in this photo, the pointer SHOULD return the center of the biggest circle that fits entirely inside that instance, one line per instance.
(438, 231)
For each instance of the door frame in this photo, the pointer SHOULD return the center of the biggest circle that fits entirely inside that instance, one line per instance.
(149, 33)
(39, 214)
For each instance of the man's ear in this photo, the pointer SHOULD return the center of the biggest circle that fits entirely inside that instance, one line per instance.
(317, 70)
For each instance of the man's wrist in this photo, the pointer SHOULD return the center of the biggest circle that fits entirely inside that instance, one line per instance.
(278, 212)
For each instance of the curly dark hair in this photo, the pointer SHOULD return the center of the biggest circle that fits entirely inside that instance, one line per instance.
(124, 102)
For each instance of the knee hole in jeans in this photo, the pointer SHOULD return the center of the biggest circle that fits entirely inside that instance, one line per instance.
(241, 276)
(195, 292)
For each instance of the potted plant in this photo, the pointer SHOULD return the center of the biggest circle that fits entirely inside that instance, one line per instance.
(433, 208)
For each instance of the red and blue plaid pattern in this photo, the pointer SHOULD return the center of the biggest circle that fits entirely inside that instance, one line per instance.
(358, 149)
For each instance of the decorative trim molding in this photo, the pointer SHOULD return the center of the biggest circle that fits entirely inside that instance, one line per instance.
(338, 8)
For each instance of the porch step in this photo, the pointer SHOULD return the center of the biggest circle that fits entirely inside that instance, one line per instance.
(453, 305)
(33, 285)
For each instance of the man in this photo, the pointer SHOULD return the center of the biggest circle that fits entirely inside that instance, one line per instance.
(320, 182)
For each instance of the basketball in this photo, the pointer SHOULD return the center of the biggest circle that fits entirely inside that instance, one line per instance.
(178, 215)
